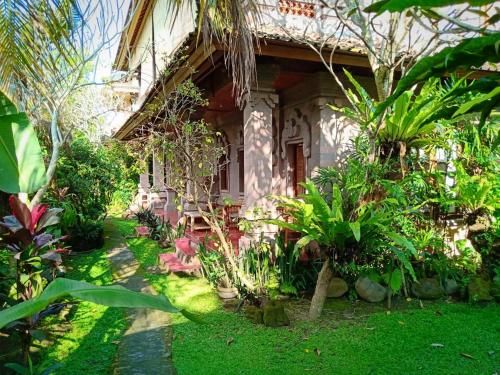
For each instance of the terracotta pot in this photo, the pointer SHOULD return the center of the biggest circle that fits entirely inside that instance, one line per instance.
(227, 293)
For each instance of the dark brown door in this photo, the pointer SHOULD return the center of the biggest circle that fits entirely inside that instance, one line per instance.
(241, 171)
(299, 169)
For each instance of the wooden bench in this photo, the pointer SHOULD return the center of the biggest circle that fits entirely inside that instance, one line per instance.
(194, 221)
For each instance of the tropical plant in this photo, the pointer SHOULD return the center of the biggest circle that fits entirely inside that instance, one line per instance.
(258, 263)
(469, 53)
(88, 174)
(22, 169)
(166, 234)
(30, 244)
(476, 194)
(291, 278)
(336, 233)
(156, 226)
(214, 266)
(36, 256)
(86, 234)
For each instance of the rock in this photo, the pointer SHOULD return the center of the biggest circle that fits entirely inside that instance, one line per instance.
(450, 287)
(337, 288)
(254, 314)
(479, 290)
(370, 290)
(482, 224)
(274, 315)
(428, 288)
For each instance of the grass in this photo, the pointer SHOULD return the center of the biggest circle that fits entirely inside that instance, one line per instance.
(399, 342)
(87, 343)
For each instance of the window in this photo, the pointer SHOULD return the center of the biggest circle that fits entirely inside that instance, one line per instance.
(150, 171)
(241, 171)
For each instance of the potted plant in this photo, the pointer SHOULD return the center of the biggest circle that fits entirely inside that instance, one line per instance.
(225, 288)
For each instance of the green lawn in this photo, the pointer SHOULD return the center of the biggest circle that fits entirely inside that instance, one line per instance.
(87, 344)
(372, 343)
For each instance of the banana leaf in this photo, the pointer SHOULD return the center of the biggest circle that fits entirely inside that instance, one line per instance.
(114, 296)
(402, 5)
(22, 169)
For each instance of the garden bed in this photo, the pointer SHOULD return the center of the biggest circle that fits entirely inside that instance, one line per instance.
(349, 338)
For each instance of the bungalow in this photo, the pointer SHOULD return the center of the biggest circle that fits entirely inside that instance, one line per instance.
(285, 129)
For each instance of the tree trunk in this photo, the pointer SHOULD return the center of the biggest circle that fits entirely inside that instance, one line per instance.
(51, 169)
(214, 226)
(318, 300)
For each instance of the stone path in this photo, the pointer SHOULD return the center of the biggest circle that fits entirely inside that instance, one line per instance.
(146, 346)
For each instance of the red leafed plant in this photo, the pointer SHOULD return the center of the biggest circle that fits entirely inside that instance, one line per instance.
(32, 246)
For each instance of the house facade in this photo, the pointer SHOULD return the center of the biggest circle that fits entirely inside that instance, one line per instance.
(284, 131)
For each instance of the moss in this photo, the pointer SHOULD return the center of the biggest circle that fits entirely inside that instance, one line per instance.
(254, 314)
(274, 315)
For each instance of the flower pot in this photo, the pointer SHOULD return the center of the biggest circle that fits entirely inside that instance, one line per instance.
(227, 293)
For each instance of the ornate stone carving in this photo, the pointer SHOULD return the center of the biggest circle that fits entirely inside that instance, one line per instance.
(257, 97)
(297, 127)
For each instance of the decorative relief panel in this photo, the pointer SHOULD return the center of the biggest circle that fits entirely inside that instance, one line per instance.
(297, 127)
(297, 8)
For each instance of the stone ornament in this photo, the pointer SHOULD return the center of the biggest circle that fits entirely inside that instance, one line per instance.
(297, 127)
(297, 8)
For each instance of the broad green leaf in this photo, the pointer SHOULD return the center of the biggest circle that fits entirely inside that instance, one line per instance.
(472, 52)
(394, 280)
(17, 368)
(302, 242)
(402, 242)
(114, 296)
(466, 107)
(355, 227)
(401, 5)
(22, 169)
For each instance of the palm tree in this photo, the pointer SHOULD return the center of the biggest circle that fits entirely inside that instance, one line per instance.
(48, 46)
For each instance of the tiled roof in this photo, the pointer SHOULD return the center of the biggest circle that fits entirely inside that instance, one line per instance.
(347, 44)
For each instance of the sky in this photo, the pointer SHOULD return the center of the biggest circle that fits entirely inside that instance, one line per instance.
(105, 22)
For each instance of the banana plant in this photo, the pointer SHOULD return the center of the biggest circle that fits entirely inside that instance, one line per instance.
(113, 296)
(22, 169)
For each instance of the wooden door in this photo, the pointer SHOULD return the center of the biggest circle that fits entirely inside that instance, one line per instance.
(299, 169)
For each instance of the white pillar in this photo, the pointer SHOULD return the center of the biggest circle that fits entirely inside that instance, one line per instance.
(332, 136)
(158, 195)
(158, 171)
(143, 192)
(258, 150)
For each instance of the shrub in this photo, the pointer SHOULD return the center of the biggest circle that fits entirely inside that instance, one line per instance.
(86, 235)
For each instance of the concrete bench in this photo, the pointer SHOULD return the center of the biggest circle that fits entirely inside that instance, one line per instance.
(183, 260)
